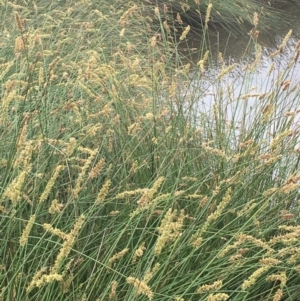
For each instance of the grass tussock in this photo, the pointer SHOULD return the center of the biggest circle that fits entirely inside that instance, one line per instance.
(118, 183)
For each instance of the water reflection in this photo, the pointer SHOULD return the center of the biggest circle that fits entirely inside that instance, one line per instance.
(238, 84)
(235, 45)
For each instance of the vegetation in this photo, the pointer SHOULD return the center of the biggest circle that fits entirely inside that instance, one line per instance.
(232, 14)
(117, 183)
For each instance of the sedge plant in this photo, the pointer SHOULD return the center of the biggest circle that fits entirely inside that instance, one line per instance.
(117, 185)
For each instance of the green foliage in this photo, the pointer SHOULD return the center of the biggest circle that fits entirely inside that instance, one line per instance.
(117, 183)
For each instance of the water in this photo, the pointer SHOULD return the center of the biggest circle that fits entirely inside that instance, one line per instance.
(234, 45)
(237, 48)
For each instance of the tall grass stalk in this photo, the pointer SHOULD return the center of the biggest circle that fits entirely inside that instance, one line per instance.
(117, 185)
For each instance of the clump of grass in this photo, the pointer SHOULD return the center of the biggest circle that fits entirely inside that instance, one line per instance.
(117, 184)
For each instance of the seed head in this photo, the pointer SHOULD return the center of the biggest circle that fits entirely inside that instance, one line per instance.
(185, 33)
(26, 231)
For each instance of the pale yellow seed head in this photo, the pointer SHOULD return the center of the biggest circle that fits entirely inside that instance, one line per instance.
(153, 41)
(278, 295)
(235, 257)
(257, 58)
(208, 12)
(55, 207)
(18, 20)
(139, 252)
(141, 287)
(227, 70)
(166, 27)
(26, 231)
(103, 192)
(114, 285)
(271, 69)
(45, 279)
(122, 32)
(196, 242)
(220, 58)
(255, 19)
(117, 256)
(185, 33)
(146, 203)
(267, 112)
(154, 140)
(55, 231)
(14, 190)
(217, 297)
(169, 230)
(124, 19)
(282, 278)
(36, 276)
(19, 45)
(150, 273)
(22, 136)
(41, 77)
(2, 209)
(285, 40)
(132, 128)
(201, 65)
(82, 174)
(50, 183)
(278, 139)
(220, 208)
(210, 287)
(269, 261)
(67, 245)
(252, 279)
(178, 18)
(134, 167)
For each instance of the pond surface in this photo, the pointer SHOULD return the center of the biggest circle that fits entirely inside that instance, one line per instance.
(237, 48)
(234, 45)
